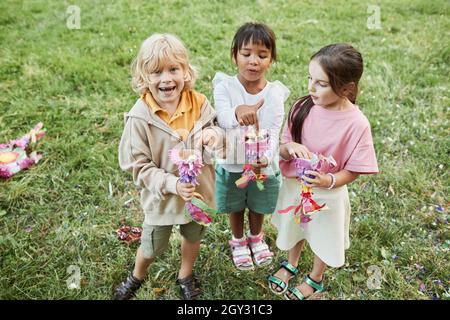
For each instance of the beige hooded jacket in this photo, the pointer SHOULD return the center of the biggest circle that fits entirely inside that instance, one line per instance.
(144, 151)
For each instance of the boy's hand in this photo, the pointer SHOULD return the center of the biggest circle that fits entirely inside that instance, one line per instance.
(320, 180)
(185, 190)
(246, 114)
(297, 150)
(213, 143)
(210, 139)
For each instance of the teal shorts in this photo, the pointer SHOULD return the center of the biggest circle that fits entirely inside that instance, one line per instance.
(230, 198)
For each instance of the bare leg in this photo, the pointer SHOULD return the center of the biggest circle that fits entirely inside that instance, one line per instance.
(237, 224)
(189, 253)
(141, 265)
(316, 275)
(318, 269)
(255, 221)
(293, 257)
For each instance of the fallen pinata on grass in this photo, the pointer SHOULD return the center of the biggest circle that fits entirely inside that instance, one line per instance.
(20, 154)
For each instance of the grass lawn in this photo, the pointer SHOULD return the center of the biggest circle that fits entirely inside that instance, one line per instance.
(77, 82)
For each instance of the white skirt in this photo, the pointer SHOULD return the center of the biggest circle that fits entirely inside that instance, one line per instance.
(328, 231)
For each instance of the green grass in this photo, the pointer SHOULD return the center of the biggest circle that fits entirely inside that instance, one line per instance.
(78, 83)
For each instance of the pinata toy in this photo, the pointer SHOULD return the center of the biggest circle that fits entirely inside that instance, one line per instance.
(308, 206)
(189, 162)
(256, 146)
(20, 154)
(129, 234)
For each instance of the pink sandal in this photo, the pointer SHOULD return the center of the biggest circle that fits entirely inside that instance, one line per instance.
(242, 258)
(260, 249)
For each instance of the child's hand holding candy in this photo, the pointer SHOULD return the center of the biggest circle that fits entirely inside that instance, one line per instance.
(292, 150)
(320, 180)
(260, 163)
(246, 115)
(185, 190)
(211, 139)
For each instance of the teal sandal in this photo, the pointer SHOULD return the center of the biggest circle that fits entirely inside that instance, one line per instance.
(317, 286)
(280, 283)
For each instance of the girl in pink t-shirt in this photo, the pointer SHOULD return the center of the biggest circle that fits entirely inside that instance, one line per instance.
(325, 122)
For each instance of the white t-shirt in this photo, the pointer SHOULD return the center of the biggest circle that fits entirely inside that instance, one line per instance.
(229, 93)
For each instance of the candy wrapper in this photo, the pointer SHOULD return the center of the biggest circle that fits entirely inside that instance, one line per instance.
(256, 146)
(189, 162)
(308, 206)
(19, 154)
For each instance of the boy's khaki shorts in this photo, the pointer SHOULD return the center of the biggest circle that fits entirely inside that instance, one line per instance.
(155, 239)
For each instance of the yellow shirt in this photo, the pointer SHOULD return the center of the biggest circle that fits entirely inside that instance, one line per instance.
(187, 113)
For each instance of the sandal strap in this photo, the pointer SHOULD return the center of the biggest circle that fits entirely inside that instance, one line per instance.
(241, 254)
(240, 251)
(242, 260)
(289, 267)
(317, 286)
(297, 293)
(277, 281)
(263, 255)
(258, 247)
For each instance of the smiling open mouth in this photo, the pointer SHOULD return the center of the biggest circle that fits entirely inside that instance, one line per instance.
(167, 89)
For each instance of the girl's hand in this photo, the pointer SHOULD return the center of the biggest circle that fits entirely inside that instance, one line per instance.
(261, 163)
(297, 150)
(246, 114)
(185, 190)
(320, 180)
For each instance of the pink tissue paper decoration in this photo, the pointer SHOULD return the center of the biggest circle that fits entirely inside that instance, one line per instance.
(189, 162)
(307, 205)
(19, 154)
(256, 146)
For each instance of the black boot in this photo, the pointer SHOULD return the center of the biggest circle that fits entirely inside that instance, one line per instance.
(127, 289)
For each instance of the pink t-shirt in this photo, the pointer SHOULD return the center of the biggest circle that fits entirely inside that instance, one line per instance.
(345, 135)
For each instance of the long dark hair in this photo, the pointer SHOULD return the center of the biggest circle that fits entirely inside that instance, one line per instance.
(343, 64)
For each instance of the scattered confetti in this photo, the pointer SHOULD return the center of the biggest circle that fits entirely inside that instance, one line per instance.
(110, 189)
(437, 282)
(158, 290)
(128, 203)
(422, 287)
